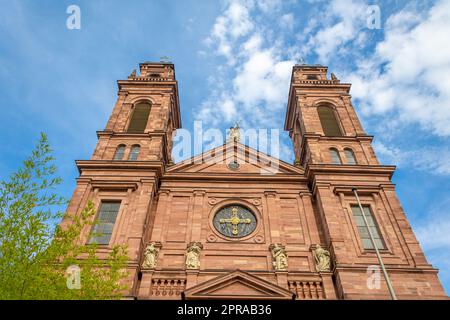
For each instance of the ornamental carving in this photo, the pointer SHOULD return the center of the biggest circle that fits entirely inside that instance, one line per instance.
(193, 255)
(234, 221)
(151, 255)
(279, 256)
(322, 258)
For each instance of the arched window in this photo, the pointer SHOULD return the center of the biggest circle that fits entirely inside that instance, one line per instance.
(139, 118)
(134, 153)
(350, 156)
(328, 121)
(334, 155)
(120, 151)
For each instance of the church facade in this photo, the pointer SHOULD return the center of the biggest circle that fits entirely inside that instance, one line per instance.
(223, 229)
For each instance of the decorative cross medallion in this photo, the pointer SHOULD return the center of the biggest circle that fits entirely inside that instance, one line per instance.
(235, 221)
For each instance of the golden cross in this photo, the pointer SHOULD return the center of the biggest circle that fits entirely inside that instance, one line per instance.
(235, 220)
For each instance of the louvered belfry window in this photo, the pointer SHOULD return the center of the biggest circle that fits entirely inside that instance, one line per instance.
(328, 121)
(106, 218)
(139, 118)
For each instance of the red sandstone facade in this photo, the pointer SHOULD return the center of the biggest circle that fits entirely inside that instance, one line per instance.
(298, 207)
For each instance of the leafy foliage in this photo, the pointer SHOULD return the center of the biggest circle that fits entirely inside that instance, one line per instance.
(34, 254)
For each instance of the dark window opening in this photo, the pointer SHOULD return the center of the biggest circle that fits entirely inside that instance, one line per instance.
(139, 118)
(329, 122)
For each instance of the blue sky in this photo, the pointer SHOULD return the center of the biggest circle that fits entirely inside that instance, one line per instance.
(233, 61)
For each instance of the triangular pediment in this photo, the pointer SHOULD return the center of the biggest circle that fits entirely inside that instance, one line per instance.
(238, 285)
(249, 160)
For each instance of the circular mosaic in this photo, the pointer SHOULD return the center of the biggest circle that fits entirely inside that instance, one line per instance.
(234, 221)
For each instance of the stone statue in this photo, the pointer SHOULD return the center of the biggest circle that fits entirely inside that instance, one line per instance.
(169, 72)
(151, 256)
(235, 133)
(279, 255)
(193, 255)
(322, 258)
(333, 77)
(133, 74)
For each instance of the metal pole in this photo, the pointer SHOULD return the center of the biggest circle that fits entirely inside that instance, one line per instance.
(380, 260)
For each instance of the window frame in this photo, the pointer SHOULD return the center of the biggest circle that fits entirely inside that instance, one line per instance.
(130, 155)
(376, 225)
(331, 152)
(91, 237)
(352, 153)
(133, 112)
(117, 152)
(332, 110)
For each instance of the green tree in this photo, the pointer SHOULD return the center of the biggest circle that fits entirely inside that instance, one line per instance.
(35, 251)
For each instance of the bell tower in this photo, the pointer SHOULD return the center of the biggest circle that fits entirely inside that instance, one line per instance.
(338, 158)
(122, 177)
(146, 114)
(322, 122)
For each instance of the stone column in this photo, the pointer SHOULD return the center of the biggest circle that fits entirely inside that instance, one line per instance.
(331, 221)
(313, 231)
(145, 285)
(282, 279)
(196, 226)
(273, 215)
(328, 285)
(161, 212)
(191, 278)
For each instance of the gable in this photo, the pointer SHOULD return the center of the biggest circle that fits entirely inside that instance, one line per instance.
(237, 285)
(250, 161)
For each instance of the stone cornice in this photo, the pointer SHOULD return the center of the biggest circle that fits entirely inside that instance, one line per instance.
(148, 134)
(314, 173)
(358, 138)
(148, 166)
(361, 189)
(250, 177)
(150, 81)
(342, 169)
(322, 83)
(113, 185)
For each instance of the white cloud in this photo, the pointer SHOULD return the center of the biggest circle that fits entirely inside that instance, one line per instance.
(406, 79)
(263, 78)
(430, 159)
(409, 74)
(234, 23)
(254, 83)
(342, 22)
(287, 21)
(433, 231)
